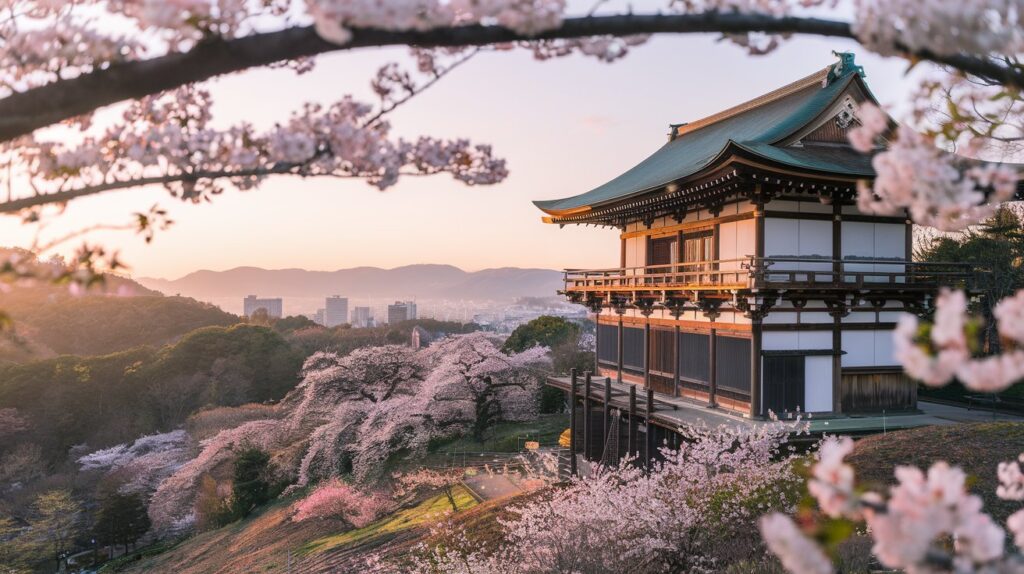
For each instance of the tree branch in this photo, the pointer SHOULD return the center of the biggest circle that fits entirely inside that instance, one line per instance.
(16, 205)
(23, 112)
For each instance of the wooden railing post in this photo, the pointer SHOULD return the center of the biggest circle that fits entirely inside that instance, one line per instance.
(607, 412)
(649, 435)
(631, 449)
(572, 421)
(588, 423)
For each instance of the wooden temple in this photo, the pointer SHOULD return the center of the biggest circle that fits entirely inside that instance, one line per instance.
(748, 280)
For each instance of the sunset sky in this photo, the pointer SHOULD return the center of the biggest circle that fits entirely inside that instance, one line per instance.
(564, 126)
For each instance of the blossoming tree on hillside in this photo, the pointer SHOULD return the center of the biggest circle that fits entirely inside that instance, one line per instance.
(351, 415)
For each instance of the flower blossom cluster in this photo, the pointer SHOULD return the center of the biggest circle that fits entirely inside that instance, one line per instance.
(335, 19)
(335, 499)
(679, 516)
(982, 27)
(169, 139)
(910, 525)
(945, 353)
(914, 174)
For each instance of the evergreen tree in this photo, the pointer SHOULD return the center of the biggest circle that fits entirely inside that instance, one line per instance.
(122, 519)
(251, 487)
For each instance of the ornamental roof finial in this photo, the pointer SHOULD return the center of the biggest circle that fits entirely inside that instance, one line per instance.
(845, 65)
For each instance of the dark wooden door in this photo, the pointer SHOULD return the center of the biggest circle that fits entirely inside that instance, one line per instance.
(784, 383)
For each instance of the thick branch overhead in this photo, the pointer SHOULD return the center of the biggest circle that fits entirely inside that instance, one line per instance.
(24, 112)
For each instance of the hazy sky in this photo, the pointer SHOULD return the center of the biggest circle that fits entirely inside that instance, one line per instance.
(564, 126)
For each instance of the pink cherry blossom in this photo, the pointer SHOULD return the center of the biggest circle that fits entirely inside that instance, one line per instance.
(797, 554)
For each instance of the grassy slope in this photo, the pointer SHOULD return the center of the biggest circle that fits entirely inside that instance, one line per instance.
(271, 542)
(977, 448)
(264, 543)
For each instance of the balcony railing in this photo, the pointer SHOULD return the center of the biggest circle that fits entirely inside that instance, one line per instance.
(776, 273)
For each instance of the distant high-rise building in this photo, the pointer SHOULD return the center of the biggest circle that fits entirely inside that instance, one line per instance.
(335, 311)
(401, 311)
(362, 317)
(318, 318)
(273, 306)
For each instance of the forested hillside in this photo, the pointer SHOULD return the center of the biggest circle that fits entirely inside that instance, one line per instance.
(46, 320)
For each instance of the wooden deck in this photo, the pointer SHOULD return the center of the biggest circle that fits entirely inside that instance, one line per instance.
(672, 413)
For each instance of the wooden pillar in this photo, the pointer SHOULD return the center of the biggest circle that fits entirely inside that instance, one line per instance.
(607, 408)
(837, 363)
(755, 323)
(649, 435)
(618, 376)
(755, 368)
(597, 343)
(573, 383)
(588, 421)
(622, 253)
(713, 368)
(647, 352)
(675, 365)
(837, 322)
(631, 449)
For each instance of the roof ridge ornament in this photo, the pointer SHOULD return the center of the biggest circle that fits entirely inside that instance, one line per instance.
(846, 64)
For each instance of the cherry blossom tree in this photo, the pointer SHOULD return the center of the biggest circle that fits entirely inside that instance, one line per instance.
(699, 504)
(335, 499)
(142, 465)
(351, 415)
(473, 385)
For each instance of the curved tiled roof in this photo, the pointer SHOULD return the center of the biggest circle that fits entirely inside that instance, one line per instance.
(754, 126)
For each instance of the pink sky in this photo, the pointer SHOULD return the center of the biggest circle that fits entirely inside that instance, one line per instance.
(564, 126)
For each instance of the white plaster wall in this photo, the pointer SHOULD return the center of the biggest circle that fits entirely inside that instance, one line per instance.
(876, 241)
(781, 236)
(890, 241)
(859, 347)
(780, 341)
(746, 238)
(799, 237)
(636, 251)
(796, 340)
(868, 348)
(818, 383)
(815, 340)
(727, 246)
(884, 348)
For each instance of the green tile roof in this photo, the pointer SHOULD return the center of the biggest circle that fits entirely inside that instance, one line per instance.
(753, 126)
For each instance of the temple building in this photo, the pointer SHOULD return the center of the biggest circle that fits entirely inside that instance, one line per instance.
(748, 281)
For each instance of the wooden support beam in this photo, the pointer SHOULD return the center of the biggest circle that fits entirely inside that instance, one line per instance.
(572, 421)
(618, 376)
(675, 361)
(631, 449)
(588, 422)
(712, 368)
(607, 412)
(755, 326)
(647, 352)
(649, 435)
(755, 368)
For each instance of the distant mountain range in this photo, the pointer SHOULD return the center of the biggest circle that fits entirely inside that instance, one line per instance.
(411, 281)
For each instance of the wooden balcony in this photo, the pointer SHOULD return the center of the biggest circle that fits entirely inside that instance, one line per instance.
(752, 274)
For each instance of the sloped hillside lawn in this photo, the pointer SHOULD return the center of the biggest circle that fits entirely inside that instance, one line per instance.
(271, 542)
(977, 448)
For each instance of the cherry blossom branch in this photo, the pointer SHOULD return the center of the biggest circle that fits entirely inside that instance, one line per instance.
(23, 112)
(58, 197)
